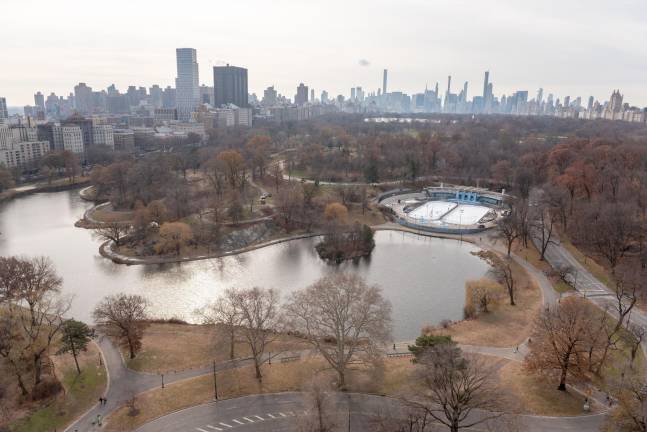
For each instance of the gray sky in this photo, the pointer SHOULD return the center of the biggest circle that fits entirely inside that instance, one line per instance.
(569, 47)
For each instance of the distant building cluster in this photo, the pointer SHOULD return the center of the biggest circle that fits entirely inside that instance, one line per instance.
(485, 102)
(123, 121)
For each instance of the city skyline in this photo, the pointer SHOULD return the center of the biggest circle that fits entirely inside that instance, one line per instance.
(562, 55)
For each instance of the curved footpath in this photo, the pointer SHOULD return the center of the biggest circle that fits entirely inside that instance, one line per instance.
(124, 383)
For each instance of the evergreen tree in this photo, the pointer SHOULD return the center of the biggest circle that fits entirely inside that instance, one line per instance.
(74, 339)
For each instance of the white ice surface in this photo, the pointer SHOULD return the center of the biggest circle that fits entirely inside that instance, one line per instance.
(466, 214)
(431, 210)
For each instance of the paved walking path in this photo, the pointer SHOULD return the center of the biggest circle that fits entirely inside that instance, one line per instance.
(123, 382)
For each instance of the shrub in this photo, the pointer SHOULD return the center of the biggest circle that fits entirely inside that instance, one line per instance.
(48, 387)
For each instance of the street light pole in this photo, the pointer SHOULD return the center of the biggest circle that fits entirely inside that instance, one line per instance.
(215, 382)
(348, 411)
(460, 223)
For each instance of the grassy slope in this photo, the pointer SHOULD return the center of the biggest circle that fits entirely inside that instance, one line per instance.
(81, 392)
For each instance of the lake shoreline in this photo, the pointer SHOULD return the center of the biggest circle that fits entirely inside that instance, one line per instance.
(106, 249)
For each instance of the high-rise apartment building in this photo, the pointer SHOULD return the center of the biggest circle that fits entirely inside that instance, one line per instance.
(3, 108)
(67, 138)
(85, 124)
(103, 135)
(155, 97)
(230, 86)
(269, 96)
(486, 83)
(39, 101)
(301, 98)
(384, 76)
(187, 96)
(83, 98)
(169, 97)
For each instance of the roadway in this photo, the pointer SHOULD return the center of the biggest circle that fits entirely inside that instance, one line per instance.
(355, 412)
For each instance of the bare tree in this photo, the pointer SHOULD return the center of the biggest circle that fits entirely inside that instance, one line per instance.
(224, 312)
(559, 342)
(124, 317)
(543, 227)
(452, 387)
(35, 315)
(634, 338)
(319, 415)
(566, 273)
(112, 231)
(504, 274)
(11, 269)
(611, 231)
(345, 319)
(631, 414)
(627, 285)
(260, 319)
(509, 229)
(407, 419)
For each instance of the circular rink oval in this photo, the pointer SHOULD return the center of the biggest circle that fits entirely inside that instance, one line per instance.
(423, 277)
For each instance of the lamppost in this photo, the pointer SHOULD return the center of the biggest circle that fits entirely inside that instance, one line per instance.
(460, 222)
(215, 382)
(348, 394)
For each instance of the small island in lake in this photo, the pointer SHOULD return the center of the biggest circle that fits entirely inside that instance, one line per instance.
(352, 242)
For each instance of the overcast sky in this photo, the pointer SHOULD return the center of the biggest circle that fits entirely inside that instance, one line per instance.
(568, 47)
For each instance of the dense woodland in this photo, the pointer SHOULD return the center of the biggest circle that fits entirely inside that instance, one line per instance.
(590, 176)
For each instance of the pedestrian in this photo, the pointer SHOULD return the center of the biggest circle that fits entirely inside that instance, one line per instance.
(393, 347)
(105, 401)
(100, 401)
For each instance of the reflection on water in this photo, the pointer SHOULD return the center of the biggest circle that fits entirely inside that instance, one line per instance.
(422, 277)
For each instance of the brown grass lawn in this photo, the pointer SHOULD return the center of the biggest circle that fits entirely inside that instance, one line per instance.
(537, 395)
(169, 347)
(108, 214)
(504, 325)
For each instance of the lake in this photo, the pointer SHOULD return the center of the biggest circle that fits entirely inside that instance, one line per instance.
(423, 277)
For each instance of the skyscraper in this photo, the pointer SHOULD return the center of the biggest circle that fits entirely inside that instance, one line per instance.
(39, 101)
(269, 96)
(187, 85)
(83, 98)
(384, 82)
(302, 95)
(155, 93)
(486, 82)
(230, 86)
(3, 108)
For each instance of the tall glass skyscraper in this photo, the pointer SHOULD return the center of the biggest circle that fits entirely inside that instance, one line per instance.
(230, 86)
(187, 83)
